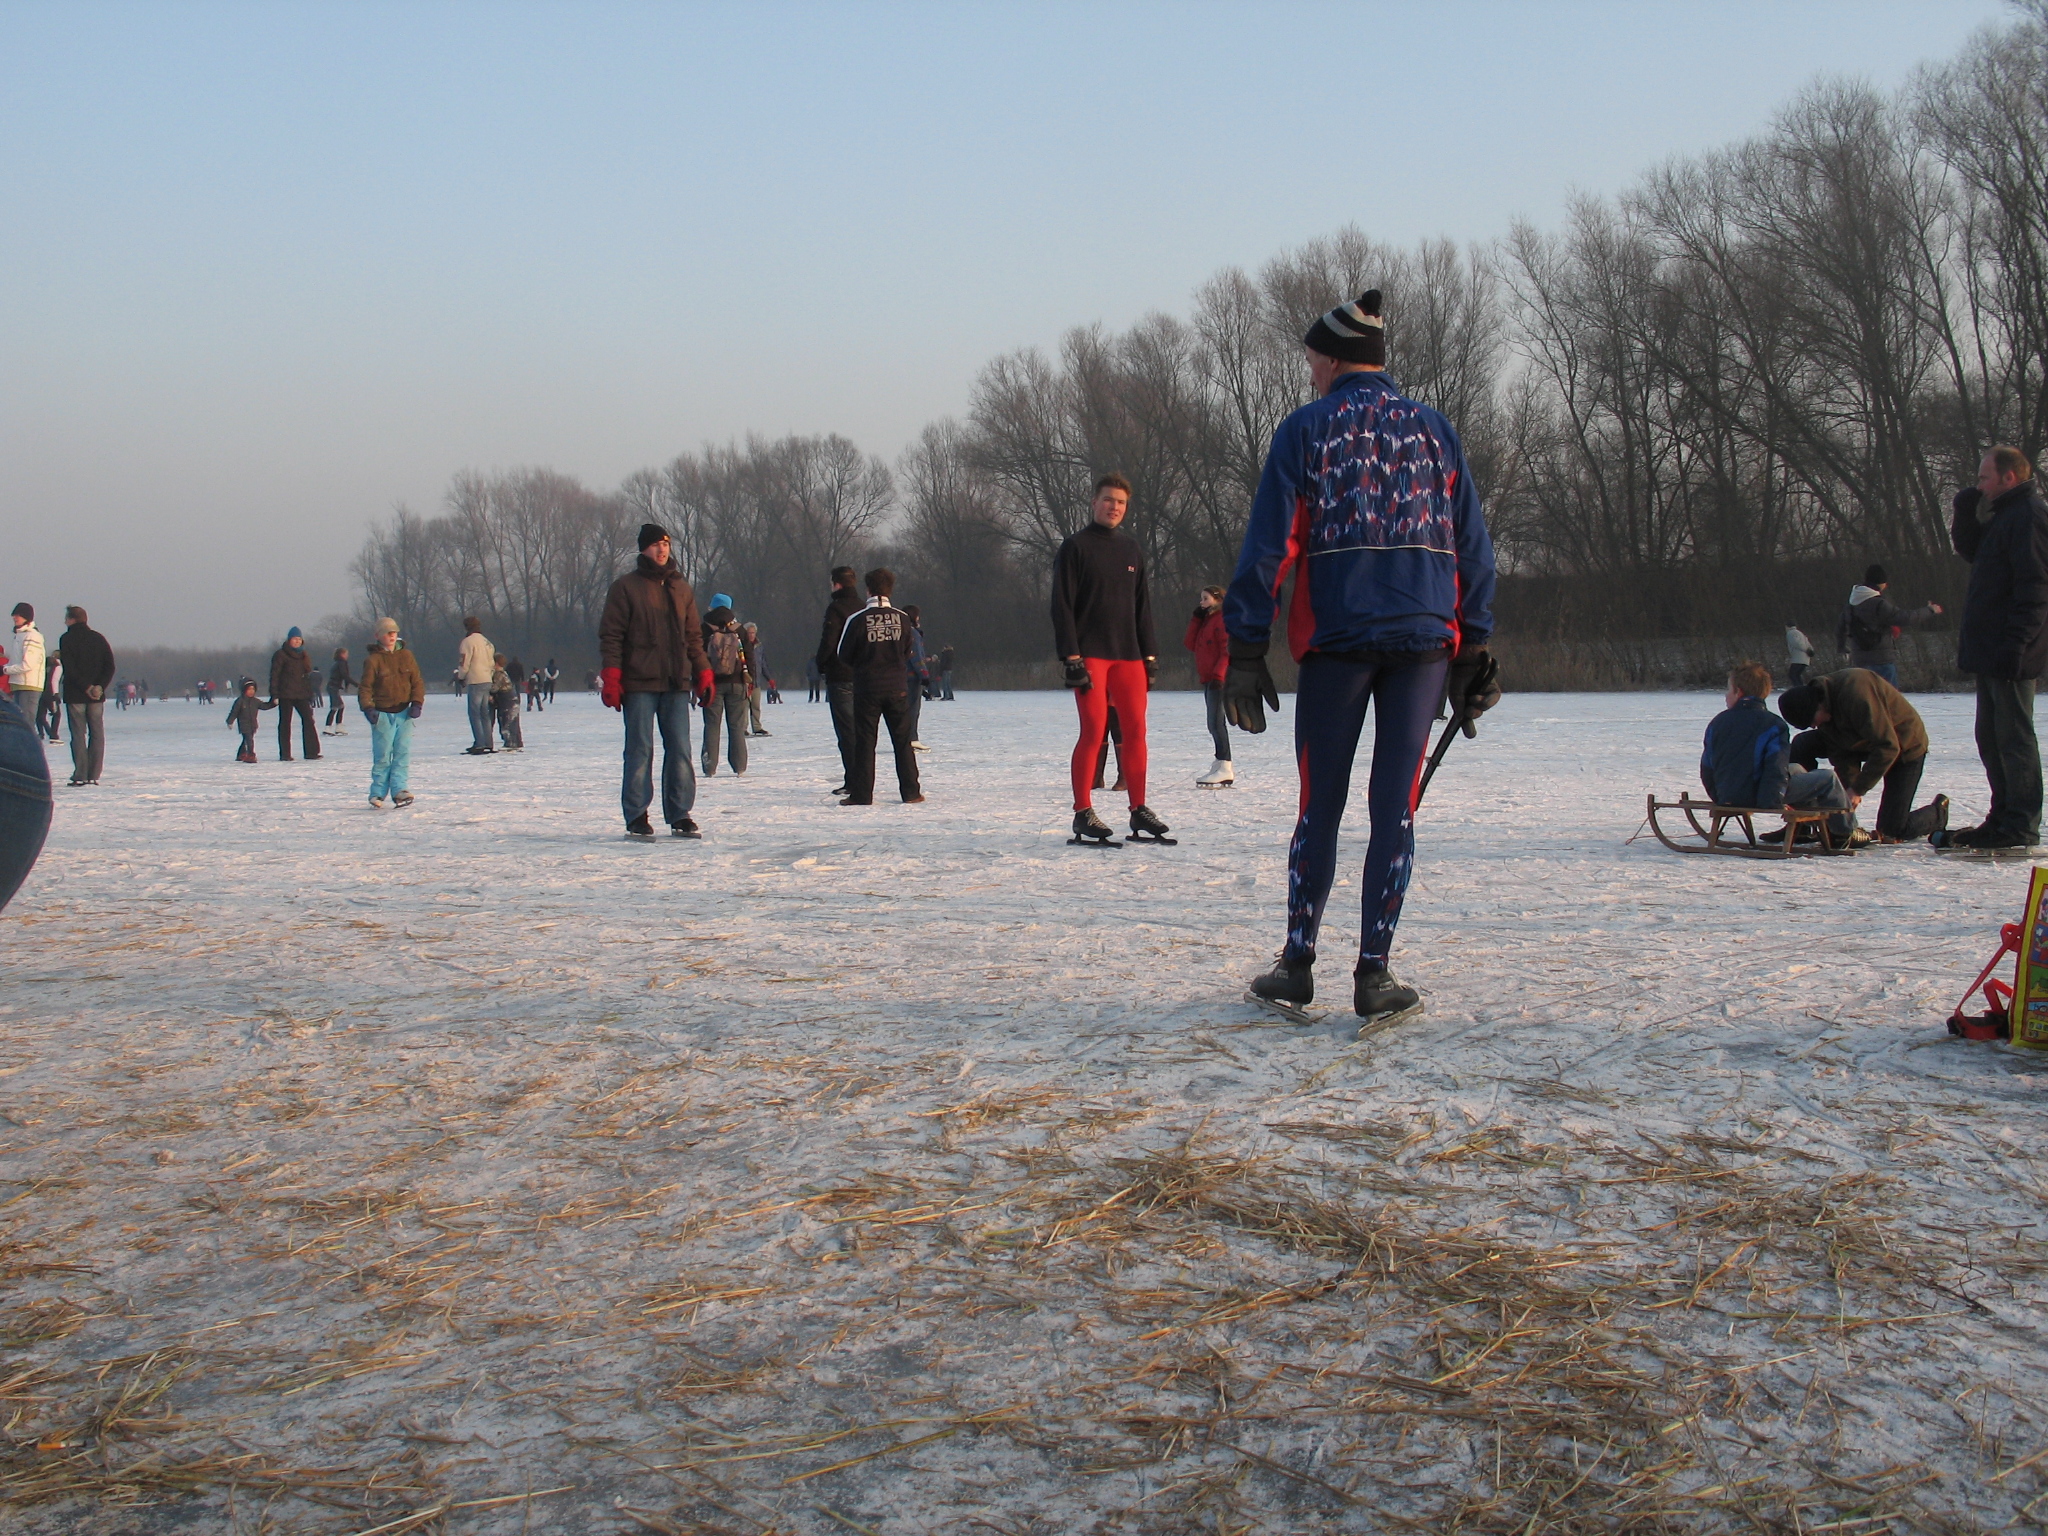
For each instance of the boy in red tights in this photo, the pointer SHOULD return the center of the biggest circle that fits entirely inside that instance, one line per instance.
(1102, 625)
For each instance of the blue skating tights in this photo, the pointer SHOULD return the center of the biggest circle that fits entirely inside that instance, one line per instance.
(1329, 715)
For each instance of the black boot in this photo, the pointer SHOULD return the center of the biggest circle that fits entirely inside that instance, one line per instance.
(1146, 827)
(1091, 828)
(639, 826)
(1288, 988)
(1379, 997)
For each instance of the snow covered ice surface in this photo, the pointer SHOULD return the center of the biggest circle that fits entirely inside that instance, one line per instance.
(471, 1169)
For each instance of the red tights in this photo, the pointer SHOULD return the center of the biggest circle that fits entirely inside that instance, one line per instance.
(1119, 683)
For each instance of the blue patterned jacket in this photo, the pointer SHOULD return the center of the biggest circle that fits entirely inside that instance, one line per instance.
(1370, 491)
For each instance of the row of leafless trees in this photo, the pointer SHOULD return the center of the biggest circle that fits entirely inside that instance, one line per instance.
(1781, 354)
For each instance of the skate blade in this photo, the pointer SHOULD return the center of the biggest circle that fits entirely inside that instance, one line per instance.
(2036, 852)
(1379, 1021)
(1093, 842)
(1200, 785)
(1294, 1013)
(1142, 837)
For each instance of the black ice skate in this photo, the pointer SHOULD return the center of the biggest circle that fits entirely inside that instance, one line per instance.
(1146, 827)
(1379, 999)
(639, 826)
(684, 828)
(1091, 831)
(1287, 990)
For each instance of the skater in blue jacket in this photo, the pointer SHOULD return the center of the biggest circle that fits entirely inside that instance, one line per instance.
(1367, 501)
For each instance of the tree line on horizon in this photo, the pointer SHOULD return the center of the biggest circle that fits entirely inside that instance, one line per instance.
(1696, 408)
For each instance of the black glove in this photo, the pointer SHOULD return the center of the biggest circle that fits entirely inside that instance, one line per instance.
(1245, 685)
(1151, 673)
(1077, 676)
(1474, 688)
(1967, 501)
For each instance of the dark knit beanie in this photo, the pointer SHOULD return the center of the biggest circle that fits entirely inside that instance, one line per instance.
(1874, 576)
(1798, 704)
(1351, 333)
(651, 533)
(23, 611)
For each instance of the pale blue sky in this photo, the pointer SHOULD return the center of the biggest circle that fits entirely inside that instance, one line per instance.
(269, 268)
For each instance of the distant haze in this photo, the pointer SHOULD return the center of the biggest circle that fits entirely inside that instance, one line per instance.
(270, 269)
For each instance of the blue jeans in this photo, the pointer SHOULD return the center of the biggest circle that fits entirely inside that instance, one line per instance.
(1329, 715)
(1219, 730)
(479, 715)
(1888, 671)
(24, 801)
(671, 711)
(390, 753)
(1818, 789)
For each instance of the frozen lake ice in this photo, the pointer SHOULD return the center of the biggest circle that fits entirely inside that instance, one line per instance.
(903, 1169)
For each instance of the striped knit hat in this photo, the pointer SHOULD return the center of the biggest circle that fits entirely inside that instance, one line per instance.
(1351, 333)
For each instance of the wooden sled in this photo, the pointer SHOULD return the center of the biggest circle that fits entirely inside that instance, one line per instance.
(1717, 834)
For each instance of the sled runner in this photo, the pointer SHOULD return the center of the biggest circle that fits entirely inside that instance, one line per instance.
(1722, 822)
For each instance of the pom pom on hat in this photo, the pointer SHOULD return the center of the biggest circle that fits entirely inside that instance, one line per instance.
(1352, 333)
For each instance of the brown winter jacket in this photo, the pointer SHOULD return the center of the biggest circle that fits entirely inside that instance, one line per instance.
(650, 630)
(1870, 727)
(391, 680)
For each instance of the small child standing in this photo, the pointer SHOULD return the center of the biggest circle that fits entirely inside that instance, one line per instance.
(505, 700)
(242, 715)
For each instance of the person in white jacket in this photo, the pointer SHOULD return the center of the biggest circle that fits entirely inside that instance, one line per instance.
(475, 662)
(26, 666)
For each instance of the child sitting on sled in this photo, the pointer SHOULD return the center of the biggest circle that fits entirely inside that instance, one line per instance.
(1748, 759)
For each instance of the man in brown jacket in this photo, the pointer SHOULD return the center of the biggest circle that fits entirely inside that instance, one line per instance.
(653, 658)
(1869, 732)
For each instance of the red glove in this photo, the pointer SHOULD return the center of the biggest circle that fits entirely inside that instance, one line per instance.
(611, 687)
(704, 687)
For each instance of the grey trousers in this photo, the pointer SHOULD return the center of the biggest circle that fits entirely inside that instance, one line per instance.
(89, 750)
(2011, 754)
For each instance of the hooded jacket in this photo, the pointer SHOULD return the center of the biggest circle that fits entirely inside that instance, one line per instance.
(650, 630)
(1209, 641)
(391, 680)
(1369, 494)
(1870, 726)
(2004, 632)
(1869, 624)
(28, 667)
(291, 675)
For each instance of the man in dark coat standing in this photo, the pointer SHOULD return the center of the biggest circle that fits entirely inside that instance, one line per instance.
(651, 640)
(846, 602)
(293, 690)
(88, 663)
(2001, 528)
(875, 647)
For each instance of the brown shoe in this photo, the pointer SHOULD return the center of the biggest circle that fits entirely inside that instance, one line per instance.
(913, 799)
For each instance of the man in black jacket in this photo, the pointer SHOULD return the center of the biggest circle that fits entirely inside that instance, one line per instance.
(876, 647)
(2001, 528)
(1102, 629)
(838, 676)
(88, 673)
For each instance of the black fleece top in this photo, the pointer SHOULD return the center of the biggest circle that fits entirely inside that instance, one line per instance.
(1100, 605)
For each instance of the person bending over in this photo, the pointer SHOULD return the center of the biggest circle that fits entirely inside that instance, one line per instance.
(1865, 727)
